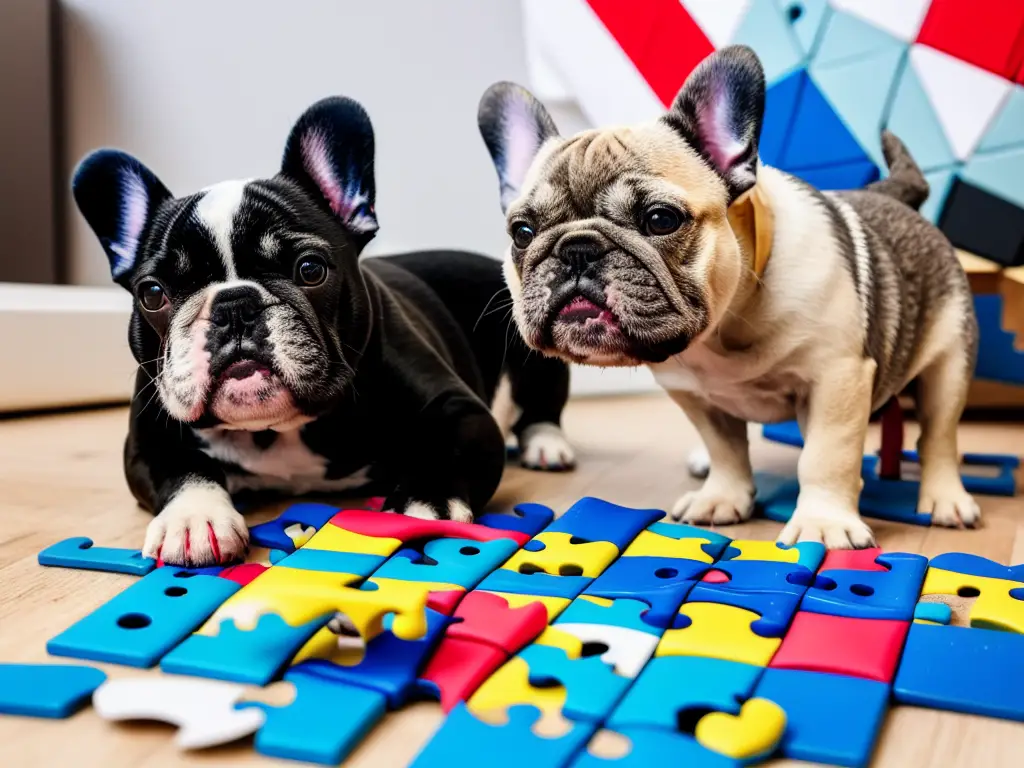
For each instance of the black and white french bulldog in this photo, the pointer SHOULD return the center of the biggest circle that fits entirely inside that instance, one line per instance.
(271, 357)
(752, 296)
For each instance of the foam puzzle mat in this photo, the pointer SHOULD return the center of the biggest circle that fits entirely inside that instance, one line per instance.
(604, 637)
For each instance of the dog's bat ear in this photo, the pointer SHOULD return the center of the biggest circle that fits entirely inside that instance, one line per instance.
(719, 111)
(514, 126)
(330, 153)
(117, 195)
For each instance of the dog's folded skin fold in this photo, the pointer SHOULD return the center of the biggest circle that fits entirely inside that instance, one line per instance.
(272, 358)
(752, 296)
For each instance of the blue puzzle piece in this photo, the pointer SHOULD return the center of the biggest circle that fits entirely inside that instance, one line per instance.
(1002, 484)
(758, 576)
(670, 685)
(271, 534)
(961, 669)
(781, 101)
(312, 728)
(355, 563)
(79, 552)
(870, 594)
(716, 545)
(244, 656)
(940, 613)
(623, 612)
(959, 562)
(389, 666)
(997, 358)
(462, 738)
(777, 609)
(46, 690)
(656, 748)
(276, 555)
(661, 582)
(765, 29)
(145, 621)
(596, 520)
(543, 584)
(853, 175)
(449, 561)
(530, 519)
(832, 719)
(592, 689)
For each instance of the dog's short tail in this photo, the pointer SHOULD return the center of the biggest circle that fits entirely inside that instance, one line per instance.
(905, 181)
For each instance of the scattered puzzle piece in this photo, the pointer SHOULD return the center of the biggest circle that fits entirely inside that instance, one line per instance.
(760, 576)
(933, 613)
(46, 690)
(203, 710)
(536, 583)
(552, 604)
(852, 560)
(462, 562)
(622, 612)
(559, 554)
(720, 632)
(291, 529)
(661, 582)
(457, 669)
(650, 748)
(141, 624)
(888, 594)
(809, 554)
(407, 529)
(628, 649)
(1000, 603)
(79, 552)
(311, 728)
(530, 519)
(596, 520)
(308, 559)
(776, 609)
(683, 542)
(483, 617)
(750, 735)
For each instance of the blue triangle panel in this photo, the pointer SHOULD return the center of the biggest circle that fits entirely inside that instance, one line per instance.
(781, 103)
(847, 38)
(767, 31)
(811, 17)
(939, 183)
(835, 177)
(818, 137)
(913, 119)
(1007, 130)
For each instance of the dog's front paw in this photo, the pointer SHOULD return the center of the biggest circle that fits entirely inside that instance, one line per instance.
(197, 528)
(452, 509)
(949, 504)
(719, 503)
(828, 523)
(543, 446)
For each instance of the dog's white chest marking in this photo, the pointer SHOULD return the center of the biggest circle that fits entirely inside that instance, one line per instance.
(287, 464)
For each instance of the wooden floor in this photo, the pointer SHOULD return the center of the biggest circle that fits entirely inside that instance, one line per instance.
(61, 476)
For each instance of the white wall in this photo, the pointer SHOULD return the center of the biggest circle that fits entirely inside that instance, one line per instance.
(206, 90)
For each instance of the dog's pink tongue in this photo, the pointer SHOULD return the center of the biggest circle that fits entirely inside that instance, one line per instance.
(581, 309)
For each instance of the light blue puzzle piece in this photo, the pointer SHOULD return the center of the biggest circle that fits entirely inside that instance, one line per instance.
(543, 584)
(715, 547)
(244, 656)
(277, 555)
(458, 561)
(1007, 129)
(859, 92)
(810, 23)
(767, 31)
(355, 563)
(79, 552)
(592, 689)
(912, 118)
(462, 738)
(145, 621)
(939, 184)
(46, 690)
(669, 685)
(847, 38)
(324, 723)
(657, 748)
(999, 173)
(596, 520)
(621, 613)
(940, 613)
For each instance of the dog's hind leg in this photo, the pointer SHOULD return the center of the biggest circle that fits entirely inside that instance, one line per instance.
(540, 390)
(941, 396)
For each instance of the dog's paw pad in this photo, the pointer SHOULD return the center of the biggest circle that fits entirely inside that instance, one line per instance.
(714, 506)
(198, 527)
(840, 530)
(954, 508)
(544, 447)
(453, 509)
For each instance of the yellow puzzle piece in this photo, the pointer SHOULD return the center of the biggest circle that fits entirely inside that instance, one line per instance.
(560, 558)
(765, 550)
(993, 608)
(553, 605)
(510, 686)
(719, 632)
(556, 638)
(650, 544)
(335, 539)
(299, 534)
(754, 732)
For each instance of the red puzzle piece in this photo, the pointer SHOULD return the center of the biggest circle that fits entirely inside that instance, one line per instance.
(445, 602)
(985, 34)
(244, 573)
(715, 577)
(459, 667)
(406, 529)
(487, 618)
(868, 648)
(852, 560)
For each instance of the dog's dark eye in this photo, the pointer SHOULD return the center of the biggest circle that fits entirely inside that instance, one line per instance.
(310, 272)
(151, 295)
(662, 220)
(522, 235)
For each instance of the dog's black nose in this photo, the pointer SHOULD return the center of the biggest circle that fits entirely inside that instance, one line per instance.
(580, 251)
(236, 309)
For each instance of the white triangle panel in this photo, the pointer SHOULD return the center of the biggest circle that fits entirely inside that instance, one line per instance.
(966, 98)
(902, 18)
(718, 18)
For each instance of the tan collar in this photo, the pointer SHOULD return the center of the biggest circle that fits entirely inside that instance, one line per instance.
(753, 222)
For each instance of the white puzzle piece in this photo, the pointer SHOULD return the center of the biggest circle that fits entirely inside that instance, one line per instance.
(628, 649)
(203, 710)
